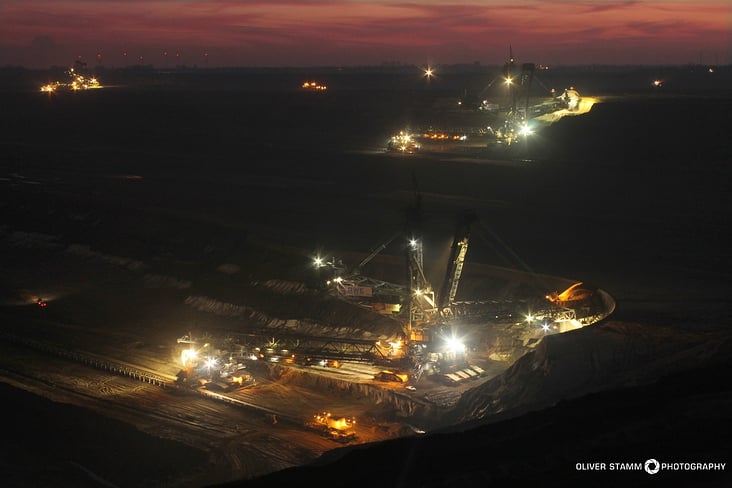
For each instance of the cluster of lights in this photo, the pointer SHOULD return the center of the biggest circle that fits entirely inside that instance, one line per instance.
(77, 82)
(513, 133)
(440, 136)
(404, 142)
(506, 135)
(336, 280)
(314, 85)
(322, 417)
(190, 357)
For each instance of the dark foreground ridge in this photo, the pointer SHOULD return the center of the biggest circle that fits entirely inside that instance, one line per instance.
(628, 425)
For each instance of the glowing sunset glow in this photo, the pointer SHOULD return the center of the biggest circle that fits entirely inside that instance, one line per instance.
(286, 33)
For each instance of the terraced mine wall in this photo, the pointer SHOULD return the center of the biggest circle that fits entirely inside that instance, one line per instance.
(403, 406)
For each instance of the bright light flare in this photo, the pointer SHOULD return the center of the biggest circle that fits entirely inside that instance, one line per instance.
(454, 345)
(404, 142)
(188, 356)
(525, 130)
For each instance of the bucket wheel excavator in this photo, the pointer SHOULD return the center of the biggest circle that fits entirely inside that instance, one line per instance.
(448, 290)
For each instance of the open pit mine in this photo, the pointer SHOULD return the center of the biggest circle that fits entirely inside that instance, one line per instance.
(410, 347)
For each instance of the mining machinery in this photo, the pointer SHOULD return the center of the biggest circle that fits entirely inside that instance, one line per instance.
(509, 70)
(525, 80)
(375, 252)
(422, 308)
(519, 85)
(428, 311)
(570, 99)
(459, 249)
(431, 341)
(572, 295)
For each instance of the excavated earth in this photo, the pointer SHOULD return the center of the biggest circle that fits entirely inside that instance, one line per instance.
(131, 302)
(140, 216)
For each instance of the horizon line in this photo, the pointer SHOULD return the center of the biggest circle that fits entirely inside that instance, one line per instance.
(384, 66)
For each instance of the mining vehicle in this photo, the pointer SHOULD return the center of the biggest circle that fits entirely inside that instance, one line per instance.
(339, 429)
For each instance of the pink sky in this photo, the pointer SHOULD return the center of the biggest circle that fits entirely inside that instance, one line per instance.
(41, 33)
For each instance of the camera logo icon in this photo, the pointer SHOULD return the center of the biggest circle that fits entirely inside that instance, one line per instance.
(652, 466)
